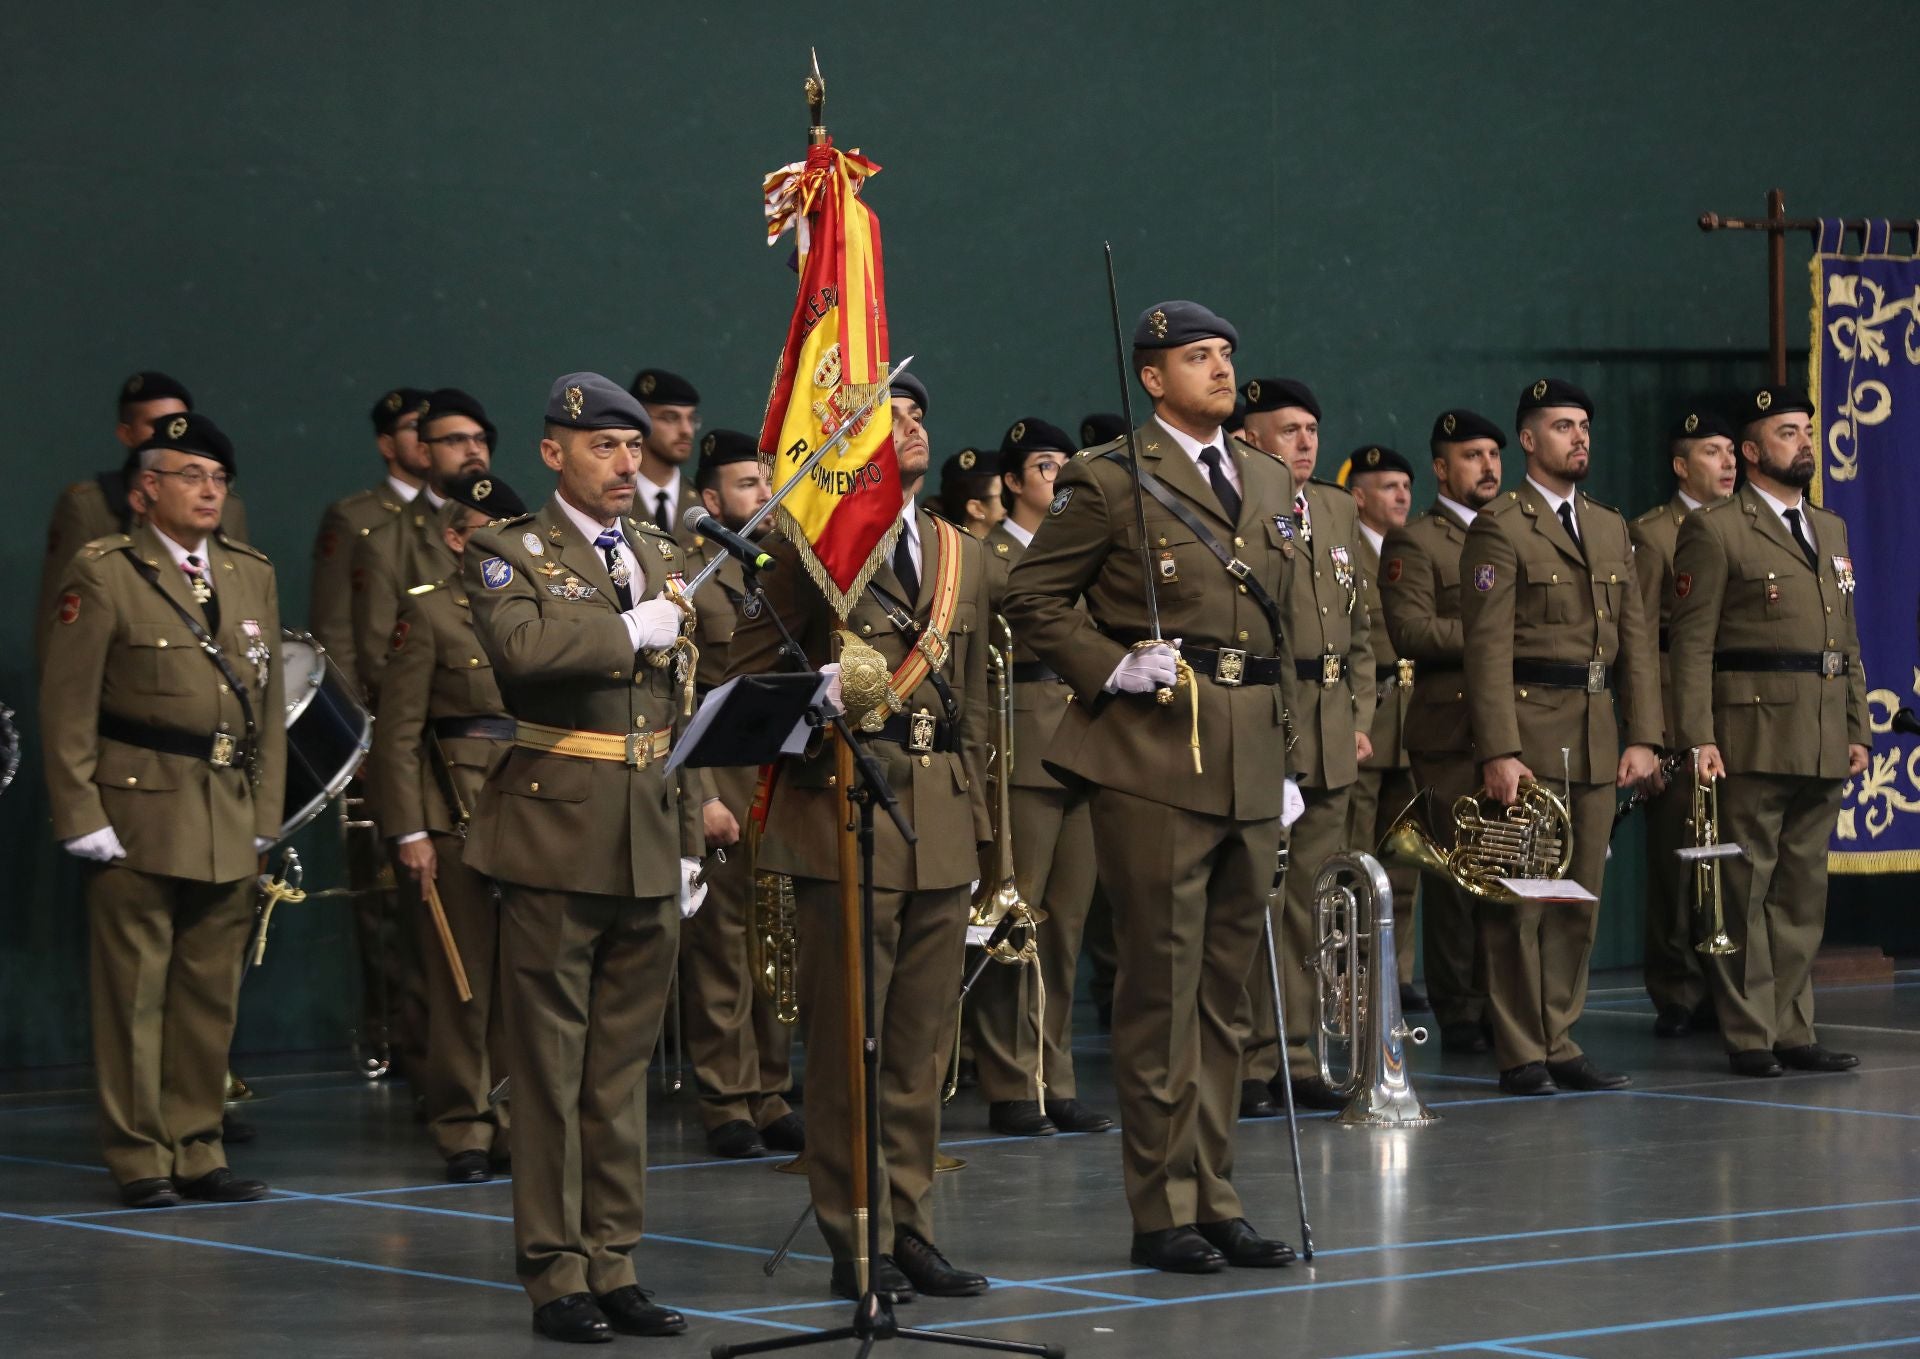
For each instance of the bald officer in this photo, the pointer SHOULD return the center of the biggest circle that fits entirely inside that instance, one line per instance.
(160, 708)
(1193, 851)
(1768, 688)
(1333, 655)
(673, 404)
(1561, 673)
(594, 846)
(1700, 447)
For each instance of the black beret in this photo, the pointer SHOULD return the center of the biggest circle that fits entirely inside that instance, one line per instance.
(1767, 401)
(718, 447)
(968, 465)
(1701, 422)
(589, 401)
(1548, 392)
(1028, 436)
(1459, 424)
(1276, 394)
(661, 388)
(148, 385)
(394, 404)
(485, 492)
(1237, 421)
(1168, 325)
(189, 433)
(1377, 458)
(912, 388)
(445, 401)
(1101, 428)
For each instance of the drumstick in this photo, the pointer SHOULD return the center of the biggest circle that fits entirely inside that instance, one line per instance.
(445, 932)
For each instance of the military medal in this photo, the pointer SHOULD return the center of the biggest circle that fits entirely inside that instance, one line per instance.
(1843, 569)
(1773, 592)
(1342, 566)
(257, 650)
(619, 570)
(531, 542)
(1169, 568)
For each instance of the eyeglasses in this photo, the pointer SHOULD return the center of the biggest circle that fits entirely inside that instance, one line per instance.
(196, 477)
(1047, 470)
(459, 440)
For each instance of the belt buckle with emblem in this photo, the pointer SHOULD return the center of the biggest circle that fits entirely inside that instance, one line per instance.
(221, 756)
(1403, 673)
(1832, 664)
(1230, 667)
(1330, 669)
(639, 749)
(1596, 677)
(933, 646)
(920, 732)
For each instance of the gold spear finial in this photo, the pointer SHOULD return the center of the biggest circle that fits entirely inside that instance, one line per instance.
(816, 88)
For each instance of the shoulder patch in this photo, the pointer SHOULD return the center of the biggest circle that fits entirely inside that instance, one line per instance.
(400, 631)
(1060, 501)
(1483, 577)
(69, 610)
(497, 572)
(1394, 569)
(1683, 585)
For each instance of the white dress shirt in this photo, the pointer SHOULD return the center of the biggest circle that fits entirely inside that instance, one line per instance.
(647, 501)
(1193, 447)
(1554, 502)
(637, 583)
(1015, 532)
(1467, 516)
(1689, 502)
(1378, 540)
(179, 555)
(1780, 508)
(403, 492)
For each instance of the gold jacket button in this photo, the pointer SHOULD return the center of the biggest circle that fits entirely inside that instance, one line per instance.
(534, 787)
(161, 642)
(1238, 541)
(866, 629)
(1240, 636)
(925, 761)
(132, 780)
(473, 660)
(617, 674)
(1599, 613)
(640, 722)
(1523, 693)
(833, 780)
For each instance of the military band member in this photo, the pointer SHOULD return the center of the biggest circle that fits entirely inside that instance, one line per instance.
(1701, 448)
(739, 1047)
(1768, 688)
(166, 765)
(107, 503)
(673, 404)
(1052, 832)
(1330, 635)
(441, 724)
(1381, 483)
(1420, 595)
(1556, 633)
(594, 846)
(1192, 852)
(969, 494)
(934, 754)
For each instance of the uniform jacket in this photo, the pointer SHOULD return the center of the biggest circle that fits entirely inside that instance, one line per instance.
(1528, 593)
(1390, 697)
(330, 604)
(1325, 617)
(120, 649)
(1038, 705)
(557, 821)
(1088, 547)
(1420, 596)
(404, 551)
(1655, 534)
(719, 603)
(941, 794)
(1741, 584)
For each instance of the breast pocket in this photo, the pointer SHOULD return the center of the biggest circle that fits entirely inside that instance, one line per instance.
(164, 659)
(1551, 591)
(1775, 594)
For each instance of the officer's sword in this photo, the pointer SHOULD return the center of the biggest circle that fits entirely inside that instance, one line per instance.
(1133, 454)
(1278, 898)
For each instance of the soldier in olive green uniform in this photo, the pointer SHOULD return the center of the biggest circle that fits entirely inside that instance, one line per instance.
(1555, 634)
(1332, 645)
(740, 1049)
(1420, 595)
(1052, 834)
(594, 846)
(934, 755)
(1703, 465)
(1768, 690)
(103, 504)
(1192, 852)
(166, 767)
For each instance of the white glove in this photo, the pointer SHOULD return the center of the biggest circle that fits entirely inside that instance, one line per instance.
(653, 624)
(263, 843)
(103, 846)
(1144, 670)
(1292, 805)
(692, 890)
(832, 701)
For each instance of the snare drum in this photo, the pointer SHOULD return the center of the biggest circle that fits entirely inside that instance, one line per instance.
(329, 730)
(9, 748)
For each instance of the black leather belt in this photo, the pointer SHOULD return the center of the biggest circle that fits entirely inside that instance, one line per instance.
(920, 733)
(1231, 666)
(1034, 672)
(1665, 639)
(1829, 663)
(222, 750)
(473, 728)
(1594, 677)
(1322, 669)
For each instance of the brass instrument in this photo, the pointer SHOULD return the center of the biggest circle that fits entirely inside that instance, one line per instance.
(1705, 855)
(1531, 839)
(773, 942)
(9, 748)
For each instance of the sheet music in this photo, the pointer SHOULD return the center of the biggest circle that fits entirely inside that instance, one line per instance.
(1548, 889)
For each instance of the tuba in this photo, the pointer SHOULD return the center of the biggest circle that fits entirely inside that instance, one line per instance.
(1531, 839)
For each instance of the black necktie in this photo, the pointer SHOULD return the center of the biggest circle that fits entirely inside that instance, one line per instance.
(1566, 518)
(903, 567)
(608, 542)
(1222, 488)
(660, 512)
(1800, 537)
(202, 586)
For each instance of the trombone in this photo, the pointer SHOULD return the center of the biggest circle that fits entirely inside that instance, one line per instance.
(1705, 854)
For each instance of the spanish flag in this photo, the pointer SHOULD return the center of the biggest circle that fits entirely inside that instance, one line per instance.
(844, 516)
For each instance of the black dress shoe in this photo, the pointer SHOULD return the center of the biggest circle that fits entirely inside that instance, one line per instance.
(236, 1130)
(1413, 1000)
(1177, 1250)
(501, 1159)
(1705, 1017)
(893, 1287)
(969, 1076)
(786, 1133)
(1529, 1078)
(1755, 1062)
(1673, 1021)
(630, 1311)
(1310, 1092)
(1813, 1057)
(931, 1272)
(1467, 1040)
(1070, 1115)
(158, 1193)
(737, 1140)
(573, 1318)
(222, 1186)
(1582, 1074)
(1256, 1101)
(1019, 1118)
(469, 1167)
(1243, 1246)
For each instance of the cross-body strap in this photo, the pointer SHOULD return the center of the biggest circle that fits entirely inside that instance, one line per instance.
(927, 646)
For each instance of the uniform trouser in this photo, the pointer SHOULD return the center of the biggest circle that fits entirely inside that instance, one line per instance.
(1537, 953)
(1321, 831)
(1053, 868)
(919, 939)
(1775, 903)
(1187, 893)
(1096, 942)
(167, 955)
(585, 983)
(739, 1048)
(466, 1041)
(1450, 934)
(1378, 798)
(1675, 975)
(393, 995)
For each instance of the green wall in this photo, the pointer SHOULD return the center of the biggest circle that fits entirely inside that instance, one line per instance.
(293, 207)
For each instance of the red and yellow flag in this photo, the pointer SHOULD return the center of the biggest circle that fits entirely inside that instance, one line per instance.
(843, 517)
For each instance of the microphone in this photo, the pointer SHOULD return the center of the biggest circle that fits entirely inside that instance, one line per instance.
(697, 520)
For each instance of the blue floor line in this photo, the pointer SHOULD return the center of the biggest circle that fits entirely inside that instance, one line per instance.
(58, 1165)
(1530, 1354)
(1774, 1104)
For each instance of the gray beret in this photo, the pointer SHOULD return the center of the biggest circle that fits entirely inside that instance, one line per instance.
(589, 401)
(1168, 325)
(912, 388)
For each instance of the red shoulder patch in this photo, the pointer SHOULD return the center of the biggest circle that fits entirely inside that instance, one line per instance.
(329, 544)
(1683, 585)
(400, 631)
(1393, 570)
(69, 608)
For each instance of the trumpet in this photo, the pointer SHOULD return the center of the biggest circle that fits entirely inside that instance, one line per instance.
(1705, 854)
(773, 943)
(1000, 897)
